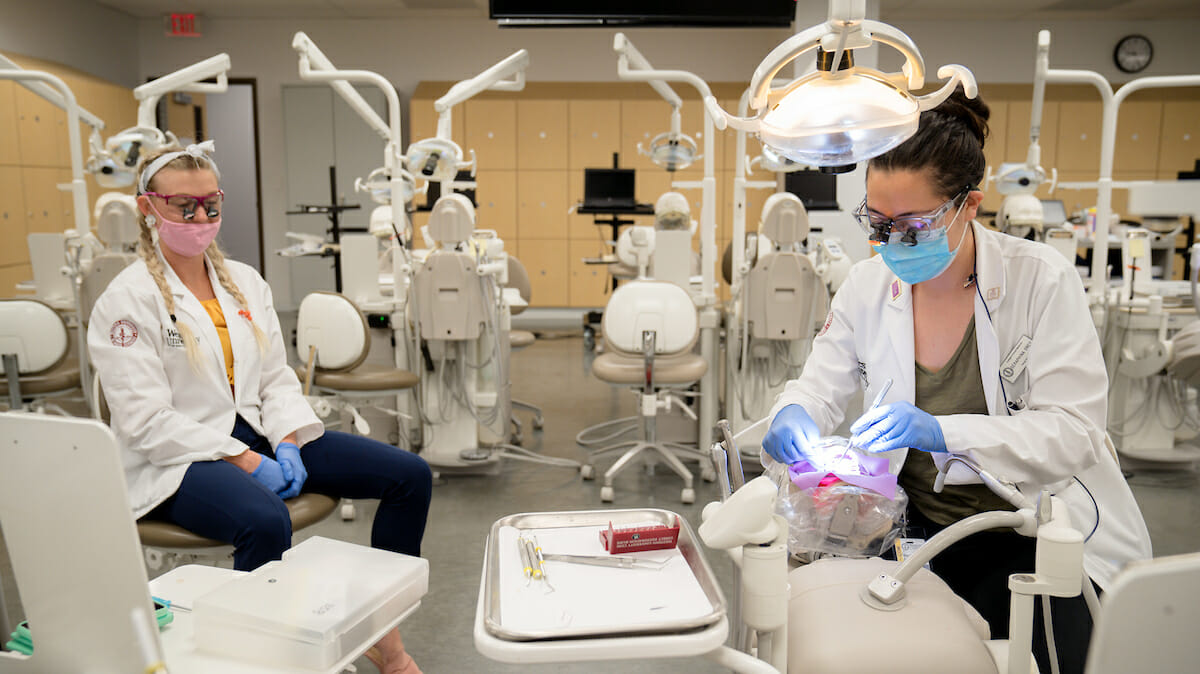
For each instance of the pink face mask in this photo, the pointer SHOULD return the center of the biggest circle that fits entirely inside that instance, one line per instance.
(188, 239)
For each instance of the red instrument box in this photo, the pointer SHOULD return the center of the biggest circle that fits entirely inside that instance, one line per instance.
(638, 539)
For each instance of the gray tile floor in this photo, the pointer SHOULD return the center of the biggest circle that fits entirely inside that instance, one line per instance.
(553, 374)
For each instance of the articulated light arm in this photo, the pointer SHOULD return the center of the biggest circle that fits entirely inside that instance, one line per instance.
(185, 79)
(315, 66)
(492, 79)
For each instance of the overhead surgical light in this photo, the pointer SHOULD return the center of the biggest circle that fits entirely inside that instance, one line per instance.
(671, 150)
(437, 159)
(378, 185)
(772, 161)
(840, 114)
(114, 164)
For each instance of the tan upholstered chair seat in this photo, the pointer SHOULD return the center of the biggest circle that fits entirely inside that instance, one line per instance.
(617, 368)
(362, 378)
(305, 509)
(828, 624)
(519, 339)
(61, 377)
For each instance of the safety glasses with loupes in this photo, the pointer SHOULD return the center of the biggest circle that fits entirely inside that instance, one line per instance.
(187, 205)
(908, 230)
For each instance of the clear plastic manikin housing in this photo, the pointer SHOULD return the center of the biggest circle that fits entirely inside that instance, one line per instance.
(436, 159)
(672, 151)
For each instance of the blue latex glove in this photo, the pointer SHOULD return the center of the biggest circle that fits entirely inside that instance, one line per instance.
(897, 426)
(288, 456)
(270, 474)
(791, 435)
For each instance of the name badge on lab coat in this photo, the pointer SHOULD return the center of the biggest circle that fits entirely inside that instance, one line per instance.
(1016, 360)
(172, 338)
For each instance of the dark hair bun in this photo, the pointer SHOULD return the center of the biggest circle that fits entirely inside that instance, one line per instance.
(971, 112)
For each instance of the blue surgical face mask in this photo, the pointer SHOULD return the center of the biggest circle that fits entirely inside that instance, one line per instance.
(927, 259)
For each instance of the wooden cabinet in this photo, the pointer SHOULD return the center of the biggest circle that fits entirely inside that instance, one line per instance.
(589, 283)
(10, 148)
(496, 196)
(542, 203)
(1139, 127)
(11, 276)
(422, 122)
(43, 205)
(1179, 142)
(546, 263)
(641, 121)
(1078, 137)
(39, 129)
(13, 249)
(595, 133)
(542, 135)
(693, 126)
(490, 129)
(1017, 137)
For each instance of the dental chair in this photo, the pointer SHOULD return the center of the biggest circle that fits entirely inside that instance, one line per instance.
(73, 548)
(35, 345)
(518, 279)
(166, 545)
(333, 338)
(649, 328)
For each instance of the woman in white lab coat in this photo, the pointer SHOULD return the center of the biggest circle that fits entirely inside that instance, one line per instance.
(992, 354)
(214, 430)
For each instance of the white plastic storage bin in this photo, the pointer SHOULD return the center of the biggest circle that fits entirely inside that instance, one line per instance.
(313, 608)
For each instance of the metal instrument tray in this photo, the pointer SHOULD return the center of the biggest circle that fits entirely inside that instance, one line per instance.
(687, 546)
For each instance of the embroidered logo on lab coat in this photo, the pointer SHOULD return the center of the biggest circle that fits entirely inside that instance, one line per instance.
(828, 322)
(895, 289)
(993, 293)
(123, 333)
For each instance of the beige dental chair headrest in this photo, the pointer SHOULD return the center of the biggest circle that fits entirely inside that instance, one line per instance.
(452, 219)
(784, 219)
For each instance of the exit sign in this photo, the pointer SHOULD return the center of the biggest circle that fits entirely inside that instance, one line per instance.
(182, 25)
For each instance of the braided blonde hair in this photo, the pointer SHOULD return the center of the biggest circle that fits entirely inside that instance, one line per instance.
(216, 257)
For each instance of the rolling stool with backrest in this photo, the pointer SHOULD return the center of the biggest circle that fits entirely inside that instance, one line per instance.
(333, 338)
(35, 345)
(650, 328)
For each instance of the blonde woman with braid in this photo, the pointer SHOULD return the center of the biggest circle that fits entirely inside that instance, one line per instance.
(214, 430)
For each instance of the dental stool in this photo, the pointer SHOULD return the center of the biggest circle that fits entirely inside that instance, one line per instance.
(518, 279)
(34, 344)
(333, 338)
(649, 328)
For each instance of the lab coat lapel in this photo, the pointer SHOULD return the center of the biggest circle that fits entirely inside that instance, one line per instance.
(991, 285)
(898, 323)
(239, 332)
(187, 303)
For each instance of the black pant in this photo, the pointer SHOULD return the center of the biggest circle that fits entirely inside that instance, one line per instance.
(977, 569)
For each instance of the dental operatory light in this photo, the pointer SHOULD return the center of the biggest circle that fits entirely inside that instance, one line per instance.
(114, 163)
(842, 113)
(436, 159)
(770, 160)
(671, 150)
(378, 185)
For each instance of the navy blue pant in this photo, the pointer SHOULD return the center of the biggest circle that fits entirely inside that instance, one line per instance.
(218, 500)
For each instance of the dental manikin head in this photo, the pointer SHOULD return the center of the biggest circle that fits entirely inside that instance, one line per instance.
(921, 196)
(672, 212)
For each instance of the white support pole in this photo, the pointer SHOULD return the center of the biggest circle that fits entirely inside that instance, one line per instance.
(315, 66)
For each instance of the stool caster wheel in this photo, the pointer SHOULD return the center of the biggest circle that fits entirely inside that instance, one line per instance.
(688, 495)
(538, 423)
(589, 338)
(347, 512)
(708, 474)
(587, 471)
(606, 494)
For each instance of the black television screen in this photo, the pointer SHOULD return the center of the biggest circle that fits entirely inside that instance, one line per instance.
(608, 187)
(775, 13)
(817, 190)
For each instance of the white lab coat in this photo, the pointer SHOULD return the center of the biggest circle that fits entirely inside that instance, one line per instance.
(1059, 400)
(164, 414)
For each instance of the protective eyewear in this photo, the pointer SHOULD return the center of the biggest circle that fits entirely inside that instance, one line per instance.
(186, 205)
(910, 228)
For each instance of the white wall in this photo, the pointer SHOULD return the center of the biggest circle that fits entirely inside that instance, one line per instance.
(84, 35)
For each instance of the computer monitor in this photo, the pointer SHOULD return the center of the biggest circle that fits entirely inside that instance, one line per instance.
(608, 188)
(1054, 213)
(817, 190)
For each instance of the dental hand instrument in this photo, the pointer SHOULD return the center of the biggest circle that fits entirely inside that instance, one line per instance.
(883, 391)
(615, 561)
(526, 563)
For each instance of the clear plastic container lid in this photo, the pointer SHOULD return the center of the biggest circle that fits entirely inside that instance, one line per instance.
(834, 121)
(319, 591)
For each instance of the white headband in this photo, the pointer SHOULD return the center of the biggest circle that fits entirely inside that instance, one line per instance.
(199, 151)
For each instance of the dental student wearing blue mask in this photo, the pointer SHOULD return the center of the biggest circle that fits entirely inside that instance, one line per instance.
(993, 356)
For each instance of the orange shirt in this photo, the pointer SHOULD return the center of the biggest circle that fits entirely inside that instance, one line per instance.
(213, 307)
